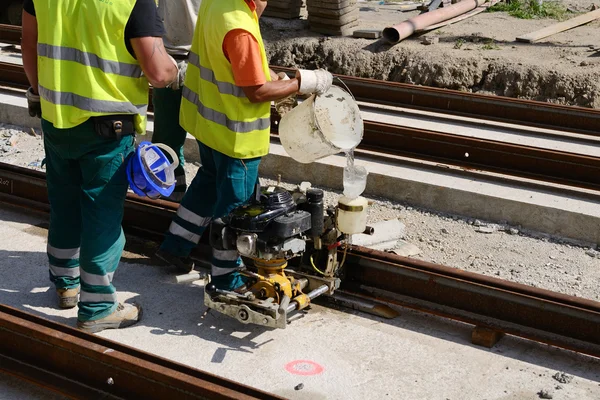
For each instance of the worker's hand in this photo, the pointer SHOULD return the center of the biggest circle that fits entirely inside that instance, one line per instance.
(318, 81)
(33, 104)
(287, 103)
(181, 70)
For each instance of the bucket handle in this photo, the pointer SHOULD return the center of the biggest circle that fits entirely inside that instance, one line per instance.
(347, 88)
(171, 152)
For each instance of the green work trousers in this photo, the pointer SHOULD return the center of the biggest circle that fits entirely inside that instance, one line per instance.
(221, 184)
(87, 184)
(166, 103)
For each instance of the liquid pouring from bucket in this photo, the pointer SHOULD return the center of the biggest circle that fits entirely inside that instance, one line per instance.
(149, 171)
(324, 125)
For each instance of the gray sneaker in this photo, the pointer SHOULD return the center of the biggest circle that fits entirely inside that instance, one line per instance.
(67, 298)
(125, 315)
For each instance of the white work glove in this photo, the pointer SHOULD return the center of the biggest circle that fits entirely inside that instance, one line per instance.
(181, 70)
(318, 81)
(287, 103)
(33, 103)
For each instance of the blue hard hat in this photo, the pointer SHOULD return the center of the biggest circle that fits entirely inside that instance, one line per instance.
(149, 171)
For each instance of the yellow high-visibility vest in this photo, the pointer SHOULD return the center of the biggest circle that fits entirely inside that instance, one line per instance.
(84, 68)
(213, 108)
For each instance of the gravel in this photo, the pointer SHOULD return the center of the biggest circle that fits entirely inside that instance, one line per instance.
(562, 377)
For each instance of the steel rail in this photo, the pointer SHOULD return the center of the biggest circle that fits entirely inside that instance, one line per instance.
(13, 75)
(560, 320)
(470, 153)
(10, 34)
(461, 151)
(86, 366)
(496, 108)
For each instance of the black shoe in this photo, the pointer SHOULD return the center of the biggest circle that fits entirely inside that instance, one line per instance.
(183, 265)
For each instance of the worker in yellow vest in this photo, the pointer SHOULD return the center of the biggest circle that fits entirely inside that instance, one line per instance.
(89, 63)
(179, 18)
(226, 105)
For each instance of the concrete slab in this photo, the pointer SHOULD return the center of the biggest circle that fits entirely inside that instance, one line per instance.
(335, 354)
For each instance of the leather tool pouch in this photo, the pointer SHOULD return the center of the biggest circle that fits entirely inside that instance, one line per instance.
(114, 126)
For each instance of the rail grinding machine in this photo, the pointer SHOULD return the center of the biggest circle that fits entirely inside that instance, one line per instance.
(292, 241)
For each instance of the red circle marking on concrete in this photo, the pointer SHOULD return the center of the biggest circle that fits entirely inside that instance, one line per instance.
(303, 367)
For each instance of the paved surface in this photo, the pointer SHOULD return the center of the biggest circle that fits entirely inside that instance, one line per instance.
(351, 355)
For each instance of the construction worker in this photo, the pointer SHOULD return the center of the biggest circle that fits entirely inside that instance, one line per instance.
(226, 105)
(179, 18)
(89, 63)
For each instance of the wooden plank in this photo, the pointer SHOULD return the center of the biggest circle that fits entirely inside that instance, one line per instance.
(367, 33)
(482, 336)
(561, 26)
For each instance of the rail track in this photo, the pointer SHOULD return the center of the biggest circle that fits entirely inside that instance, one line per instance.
(494, 304)
(83, 366)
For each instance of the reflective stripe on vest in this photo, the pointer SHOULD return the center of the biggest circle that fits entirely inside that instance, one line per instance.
(213, 108)
(85, 70)
(209, 76)
(88, 104)
(89, 60)
(222, 119)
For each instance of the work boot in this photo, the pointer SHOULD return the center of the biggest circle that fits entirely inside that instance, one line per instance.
(183, 265)
(124, 315)
(233, 282)
(67, 298)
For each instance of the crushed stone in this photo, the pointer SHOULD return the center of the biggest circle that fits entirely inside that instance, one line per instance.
(563, 377)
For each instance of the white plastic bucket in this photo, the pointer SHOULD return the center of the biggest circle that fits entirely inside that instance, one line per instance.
(321, 126)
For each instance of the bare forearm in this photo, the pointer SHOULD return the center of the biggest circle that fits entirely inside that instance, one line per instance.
(273, 90)
(29, 49)
(158, 66)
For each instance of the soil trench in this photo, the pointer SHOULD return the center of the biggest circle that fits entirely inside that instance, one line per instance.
(477, 55)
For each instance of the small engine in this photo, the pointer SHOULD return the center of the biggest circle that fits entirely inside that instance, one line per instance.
(275, 227)
(269, 228)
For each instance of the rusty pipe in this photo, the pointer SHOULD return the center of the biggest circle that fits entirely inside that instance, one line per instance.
(404, 29)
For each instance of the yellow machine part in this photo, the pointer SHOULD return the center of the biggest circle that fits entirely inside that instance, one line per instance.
(273, 282)
(303, 301)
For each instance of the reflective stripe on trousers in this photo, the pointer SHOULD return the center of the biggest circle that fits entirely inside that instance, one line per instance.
(60, 272)
(225, 262)
(66, 254)
(192, 218)
(87, 297)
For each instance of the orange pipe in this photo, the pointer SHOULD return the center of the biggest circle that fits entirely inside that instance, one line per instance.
(404, 29)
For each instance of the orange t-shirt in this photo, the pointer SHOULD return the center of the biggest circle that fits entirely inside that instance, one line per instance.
(241, 49)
